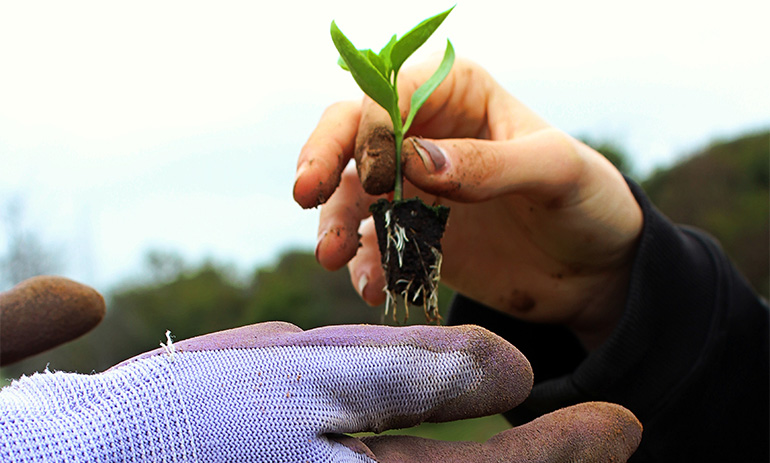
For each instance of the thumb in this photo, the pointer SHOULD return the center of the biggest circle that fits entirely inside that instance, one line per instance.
(543, 164)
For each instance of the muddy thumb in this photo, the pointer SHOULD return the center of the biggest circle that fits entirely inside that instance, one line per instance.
(42, 312)
(472, 170)
(458, 169)
(590, 432)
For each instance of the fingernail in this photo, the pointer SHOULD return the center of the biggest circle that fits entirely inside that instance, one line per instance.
(432, 156)
(300, 171)
(362, 282)
(319, 241)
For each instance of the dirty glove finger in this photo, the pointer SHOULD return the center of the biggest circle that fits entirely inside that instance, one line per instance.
(594, 431)
(42, 312)
(431, 373)
(383, 377)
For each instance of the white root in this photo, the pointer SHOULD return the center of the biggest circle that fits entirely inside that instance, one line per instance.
(390, 302)
(397, 237)
(428, 293)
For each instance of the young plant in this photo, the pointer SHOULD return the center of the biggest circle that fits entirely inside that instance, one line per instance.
(408, 231)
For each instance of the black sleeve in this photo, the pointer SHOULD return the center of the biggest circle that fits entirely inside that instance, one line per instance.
(689, 357)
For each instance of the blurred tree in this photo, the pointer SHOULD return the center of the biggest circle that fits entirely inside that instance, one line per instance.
(194, 302)
(25, 255)
(300, 291)
(164, 266)
(725, 190)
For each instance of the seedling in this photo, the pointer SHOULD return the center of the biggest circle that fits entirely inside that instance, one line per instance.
(408, 231)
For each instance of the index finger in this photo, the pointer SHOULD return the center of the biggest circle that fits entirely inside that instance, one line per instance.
(403, 376)
(383, 377)
(326, 153)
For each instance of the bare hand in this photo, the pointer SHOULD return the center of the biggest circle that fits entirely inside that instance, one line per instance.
(542, 226)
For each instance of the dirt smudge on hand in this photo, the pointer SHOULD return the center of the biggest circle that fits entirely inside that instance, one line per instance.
(521, 302)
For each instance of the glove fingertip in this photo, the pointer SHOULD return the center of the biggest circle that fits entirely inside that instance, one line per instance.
(506, 377)
(591, 431)
(43, 312)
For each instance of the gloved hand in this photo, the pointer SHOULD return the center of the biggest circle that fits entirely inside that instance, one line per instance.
(274, 393)
(42, 312)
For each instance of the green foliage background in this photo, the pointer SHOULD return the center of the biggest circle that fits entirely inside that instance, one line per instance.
(723, 189)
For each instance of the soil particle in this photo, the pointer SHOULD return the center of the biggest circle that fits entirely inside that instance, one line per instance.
(320, 199)
(451, 189)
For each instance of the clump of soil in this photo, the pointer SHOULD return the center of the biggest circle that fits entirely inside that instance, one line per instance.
(409, 237)
(376, 159)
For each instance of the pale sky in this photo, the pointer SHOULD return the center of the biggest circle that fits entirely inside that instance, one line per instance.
(128, 126)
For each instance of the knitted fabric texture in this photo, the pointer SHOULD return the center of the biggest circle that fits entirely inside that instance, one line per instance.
(268, 404)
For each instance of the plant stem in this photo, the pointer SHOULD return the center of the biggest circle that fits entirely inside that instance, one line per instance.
(397, 187)
(398, 138)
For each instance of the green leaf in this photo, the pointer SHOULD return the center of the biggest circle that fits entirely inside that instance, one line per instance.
(365, 74)
(366, 51)
(377, 62)
(385, 55)
(424, 91)
(385, 52)
(341, 63)
(412, 40)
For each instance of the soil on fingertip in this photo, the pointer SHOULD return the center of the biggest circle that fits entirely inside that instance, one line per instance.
(375, 160)
(409, 236)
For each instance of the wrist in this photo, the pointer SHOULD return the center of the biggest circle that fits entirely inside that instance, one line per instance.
(594, 324)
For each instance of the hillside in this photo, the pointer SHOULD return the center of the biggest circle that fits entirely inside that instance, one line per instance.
(725, 190)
